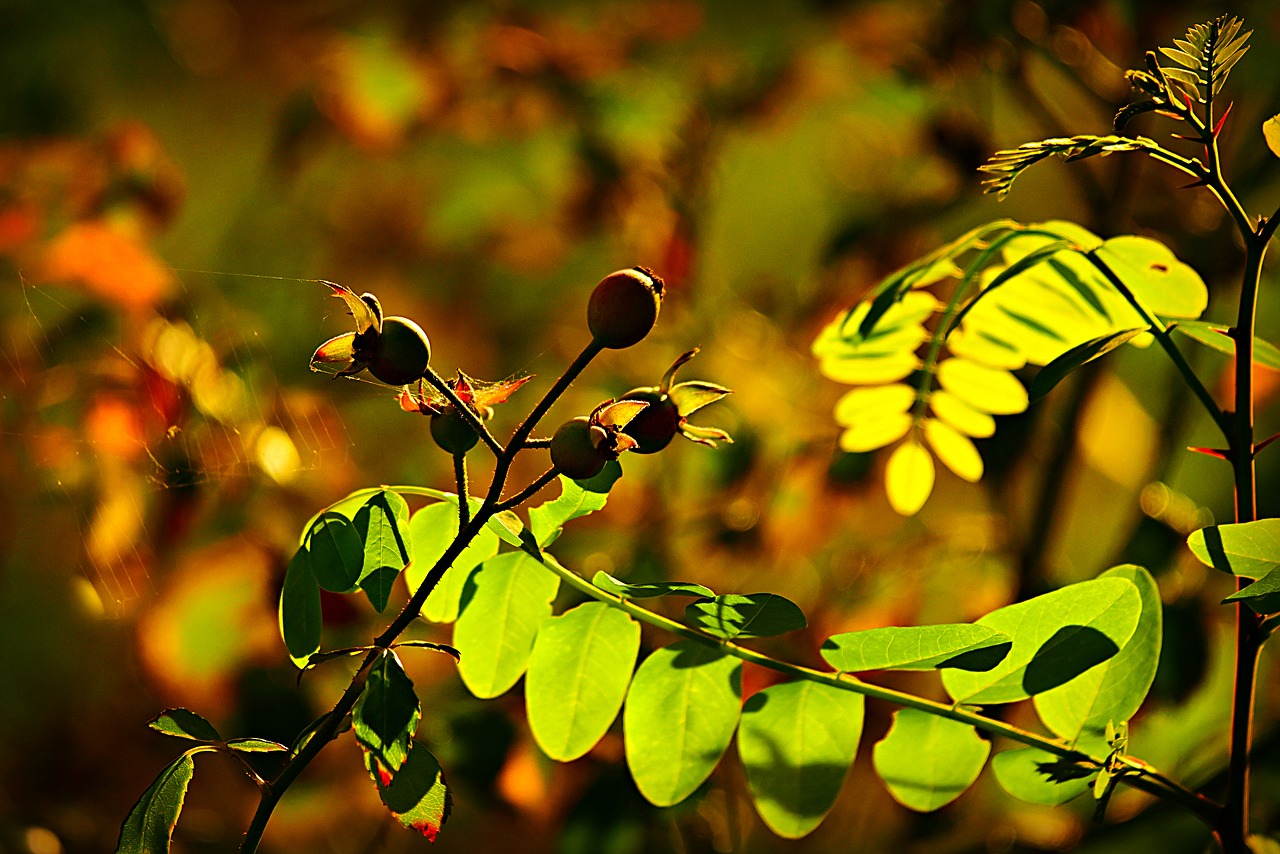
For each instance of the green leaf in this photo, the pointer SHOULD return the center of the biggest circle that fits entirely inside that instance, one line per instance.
(504, 604)
(691, 396)
(1263, 595)
(679, 718)
(383, 525)
(1056, 637)
(578, 676)
(1037, 777)
(575, 501)
(954, 448)
(432, 529)
(758, 615)
(416, 794)
(150, 824)
(609, 584)
(1216, 336)
(511, 530)
(256, 745)
(300, 617)
(797, 741)
(1115, 689)
(1058, 370)
(184, 724)
(928, 761)
(377, 586)
(435, 647)
(333, 548)
(387, 713)
(959, 645)
(1247, 549)
(1271, 133)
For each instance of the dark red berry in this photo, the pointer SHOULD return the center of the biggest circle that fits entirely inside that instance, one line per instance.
(576, 449)
(624, 307)
(453, 433)
(655, 427)
(402, 352)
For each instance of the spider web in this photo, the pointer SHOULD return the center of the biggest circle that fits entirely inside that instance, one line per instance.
(143, 421)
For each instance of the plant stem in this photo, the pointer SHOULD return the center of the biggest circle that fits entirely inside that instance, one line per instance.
(1249, 636)
(529, 491)
(1149, 780)
(272, 791)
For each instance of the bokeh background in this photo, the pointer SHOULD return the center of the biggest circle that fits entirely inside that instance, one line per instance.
(176, 174)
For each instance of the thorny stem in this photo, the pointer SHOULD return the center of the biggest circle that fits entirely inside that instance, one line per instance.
(529, 491)
(273, 790)
(464, 495)
(1147, 778)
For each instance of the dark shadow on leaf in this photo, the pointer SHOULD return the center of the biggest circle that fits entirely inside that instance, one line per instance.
(1063, 770)
(979, 660)
(1069, 652)
(1217, 551)
(779, 780)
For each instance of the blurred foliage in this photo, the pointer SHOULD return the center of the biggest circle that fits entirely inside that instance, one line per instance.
(480, 166)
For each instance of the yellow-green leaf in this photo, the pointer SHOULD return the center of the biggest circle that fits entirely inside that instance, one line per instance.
(875, 432)
(908, 477)
(985, 389)
(961, 416)
(1271, 132)
(874, 402)
(954, 449)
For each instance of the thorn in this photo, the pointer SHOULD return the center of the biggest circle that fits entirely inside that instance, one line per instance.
(1260, 445)
(1199, 183)
(1211, 452)
(1222, 121)
(1187, 138)
(1187, 100)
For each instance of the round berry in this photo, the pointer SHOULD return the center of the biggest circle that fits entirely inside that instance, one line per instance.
(402, 352)
(624, 307)
(453, 433)
(576, 449)
(655, 427)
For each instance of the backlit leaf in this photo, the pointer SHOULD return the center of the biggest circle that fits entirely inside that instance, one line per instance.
(954, 449)
(872, 432)
(1271, 133)
(1042, 778)
(908, 477)
(578, 676)
(758, 615)
(504, 603)
(1056, 637)
(1263, 595)
(184, 724)
(432, 529)
(383, 525)
(575, 501)
(300, 617)
(1058, 370)
(1215, 336)
(961, 645)
(416, 794)
(679, 717)
(961, 416)
(386, 716)
(609, 584)
(928, 761)
(985, 389)
(150, 824)
(797, 741)
(1157, 277)
(335, 553)
(256, 745)
(873, 402)
(1114, 690)
(1248, 549)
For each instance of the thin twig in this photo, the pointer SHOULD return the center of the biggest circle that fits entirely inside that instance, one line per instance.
(529, 491)
(468, 414)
